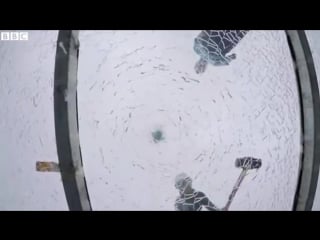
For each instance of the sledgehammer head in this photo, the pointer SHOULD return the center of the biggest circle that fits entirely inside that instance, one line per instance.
(248, 163)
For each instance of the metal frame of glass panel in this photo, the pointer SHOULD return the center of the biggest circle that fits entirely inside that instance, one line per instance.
(310, 118)
(66, 121)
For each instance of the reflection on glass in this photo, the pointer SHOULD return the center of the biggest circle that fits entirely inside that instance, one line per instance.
(155, 104)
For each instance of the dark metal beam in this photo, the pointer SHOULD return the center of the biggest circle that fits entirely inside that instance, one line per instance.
(310, 104)
(66, 121)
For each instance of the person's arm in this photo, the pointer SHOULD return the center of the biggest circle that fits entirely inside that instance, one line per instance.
(211, 206)
(224, 60)
(177, 205)
(207, 203)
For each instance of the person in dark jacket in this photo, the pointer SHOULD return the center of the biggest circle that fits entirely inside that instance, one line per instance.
(213, 46)
(190, 199)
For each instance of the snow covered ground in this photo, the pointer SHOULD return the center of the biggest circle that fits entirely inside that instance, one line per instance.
(133, 83)
(314, 41)
(27, 124)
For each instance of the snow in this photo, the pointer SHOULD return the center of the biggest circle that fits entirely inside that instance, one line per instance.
(27, 124)
(133, 83)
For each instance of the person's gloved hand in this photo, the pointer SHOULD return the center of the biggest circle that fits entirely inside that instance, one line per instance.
(232, 56)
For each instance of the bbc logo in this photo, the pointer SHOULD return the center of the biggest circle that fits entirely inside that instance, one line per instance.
(14, 36)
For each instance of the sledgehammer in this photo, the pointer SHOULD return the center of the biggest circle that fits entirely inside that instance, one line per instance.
(246, 163)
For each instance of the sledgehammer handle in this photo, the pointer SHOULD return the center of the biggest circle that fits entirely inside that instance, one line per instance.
(235, 188)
